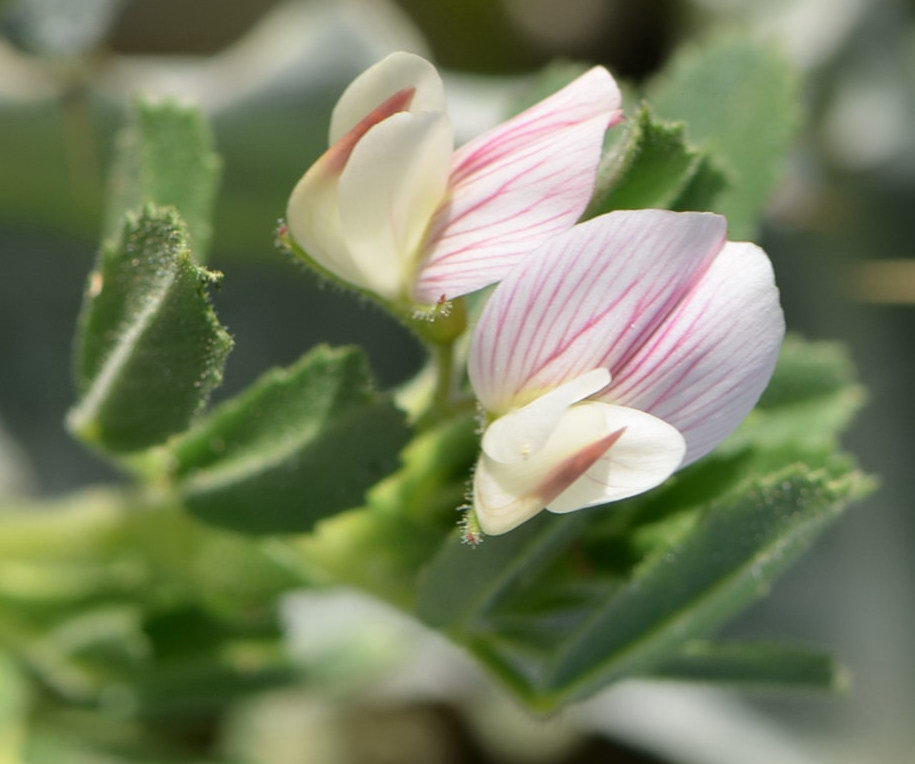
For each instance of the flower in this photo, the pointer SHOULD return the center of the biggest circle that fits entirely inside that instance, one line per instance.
(392, 209)
(621, 350)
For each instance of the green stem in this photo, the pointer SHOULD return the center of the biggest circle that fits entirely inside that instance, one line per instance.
(444, 359)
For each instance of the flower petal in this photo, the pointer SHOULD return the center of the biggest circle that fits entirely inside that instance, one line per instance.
(595, 453)
(522, 432)
(507, 493)
(588, 298)
(518, 184)
(706, 367)
(394, 180)
(647, 453)
(396, 72)
(312, 210)
(314, 221)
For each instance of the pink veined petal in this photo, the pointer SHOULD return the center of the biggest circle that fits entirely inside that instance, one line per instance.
(396, 72)
(394, 180)
(704, 369)
(588, 298)
(516, 185)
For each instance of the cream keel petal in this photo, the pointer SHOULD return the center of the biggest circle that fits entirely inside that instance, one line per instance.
(314, 222)
(514, 437)
(497, 510)
(508, 493)
(518, 184)
(647, 453)
(379, 82)
(588, 298)
(706, 367)
(388, 191)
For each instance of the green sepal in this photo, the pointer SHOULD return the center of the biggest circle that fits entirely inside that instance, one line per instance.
(654, 166)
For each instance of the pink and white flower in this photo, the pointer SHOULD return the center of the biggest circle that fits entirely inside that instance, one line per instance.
(622, 350)
(391, 208)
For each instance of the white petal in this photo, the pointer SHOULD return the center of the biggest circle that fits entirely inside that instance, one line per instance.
(378, 83)
(588, 298)
(706, 367)
(595, 453)
(497, 509)
(518, 184)
(506, 493)
(647, 453)
(515, 436)
(313, 210)
(313, 217)
(392, 183)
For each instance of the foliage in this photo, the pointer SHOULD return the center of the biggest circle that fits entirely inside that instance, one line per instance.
(312, 474)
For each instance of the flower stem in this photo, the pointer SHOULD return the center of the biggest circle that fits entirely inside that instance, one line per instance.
(444, 361)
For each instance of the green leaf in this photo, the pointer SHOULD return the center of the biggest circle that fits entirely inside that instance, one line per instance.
(726, 560)
(655, 166)
(740, 100)
(706, 184)
(463, 585)
(542, 615)
(759, 664)
(165, 156)
(300, 445)
(150, 348)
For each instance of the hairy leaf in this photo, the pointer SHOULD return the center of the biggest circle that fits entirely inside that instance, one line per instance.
(727, 560)
(301, 444)
(150, 348)
(165, 156)
(655, 166)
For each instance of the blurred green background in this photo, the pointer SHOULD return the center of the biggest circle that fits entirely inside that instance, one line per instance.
(267, 73)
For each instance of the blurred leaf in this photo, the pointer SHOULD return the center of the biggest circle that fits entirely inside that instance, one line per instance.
(740, 100)
(706, 185)
(150, 348)
(655, 166)
(14, 703)
(77, 736)
(300, 445)
(199, 665)
(52, 28)
(165, 157)
(476, 35)
(406, 519)
(727, 560)
(763, 664)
